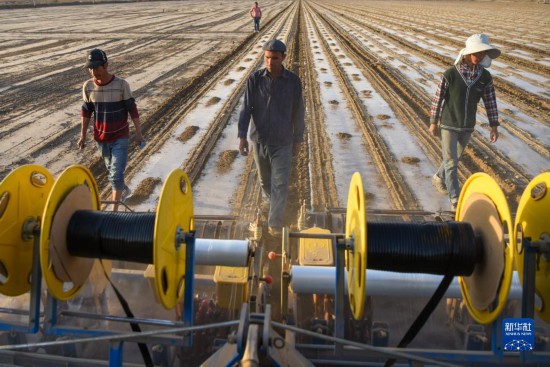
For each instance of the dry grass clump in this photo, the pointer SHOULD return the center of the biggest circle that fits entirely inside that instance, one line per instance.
(367, 93)
(188, 133)
(328, 84)
(334, 102)
(241, 68)
(383, 117)
(410, 160)
(143, 191)
(213, 101)
(226, 160)
(229, 81)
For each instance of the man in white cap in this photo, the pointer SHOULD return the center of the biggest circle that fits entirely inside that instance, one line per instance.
(454, 107)
(273, 99)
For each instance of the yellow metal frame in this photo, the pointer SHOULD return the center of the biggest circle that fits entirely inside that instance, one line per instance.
(482, 183)
(533, 220)
(69, 179)
(23, 196)
(175, 210)
(356, 258)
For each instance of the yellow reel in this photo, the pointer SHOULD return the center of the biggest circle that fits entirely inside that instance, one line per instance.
(65, 275)
(483, 204)
(23, 195)
(533, 221)
(175, 211)
(356, 257)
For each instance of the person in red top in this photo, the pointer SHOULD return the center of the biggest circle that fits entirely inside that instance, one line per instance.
(109, 99)
(256, 14)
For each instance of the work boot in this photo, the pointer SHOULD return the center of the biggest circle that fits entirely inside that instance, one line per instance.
(126, 192)
(454, 204)
(439, 184)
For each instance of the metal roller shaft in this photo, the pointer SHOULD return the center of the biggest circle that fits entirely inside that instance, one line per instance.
(129, 236)
(221, 252)
(321, 280)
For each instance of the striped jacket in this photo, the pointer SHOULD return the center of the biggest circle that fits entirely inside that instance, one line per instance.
(110, 104)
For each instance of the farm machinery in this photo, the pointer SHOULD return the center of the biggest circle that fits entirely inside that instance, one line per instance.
(216, 291)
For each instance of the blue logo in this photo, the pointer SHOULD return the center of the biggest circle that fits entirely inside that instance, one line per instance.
(518, 334)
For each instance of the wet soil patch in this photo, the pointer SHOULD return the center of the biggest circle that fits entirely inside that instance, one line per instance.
(188, 133)
(143, 191)
(343, 136)
(226, 160)
(410, 160)
(212, 101)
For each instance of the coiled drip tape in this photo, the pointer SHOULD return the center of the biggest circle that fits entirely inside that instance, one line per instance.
(124, 236)
(431, 248)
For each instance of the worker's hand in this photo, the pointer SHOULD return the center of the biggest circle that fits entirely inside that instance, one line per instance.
(434, 130)
(81, 142)
(140, 141)
(493, 135)
(243, 147)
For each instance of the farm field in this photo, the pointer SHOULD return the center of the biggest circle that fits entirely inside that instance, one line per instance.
(369, 71)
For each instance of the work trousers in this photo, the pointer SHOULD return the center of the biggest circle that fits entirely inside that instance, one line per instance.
(453, 144)
(273, 164)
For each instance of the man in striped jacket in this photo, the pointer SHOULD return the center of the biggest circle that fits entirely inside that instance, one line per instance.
(109, 99)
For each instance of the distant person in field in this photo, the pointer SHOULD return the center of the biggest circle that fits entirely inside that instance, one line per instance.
(109, 99)
(454, 108)
(256, 14)
(273, 98)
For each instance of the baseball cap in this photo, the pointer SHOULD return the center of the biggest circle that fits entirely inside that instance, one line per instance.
(274, 45)
(95, 58)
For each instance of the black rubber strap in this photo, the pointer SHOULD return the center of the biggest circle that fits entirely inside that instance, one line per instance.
(135, 327)
(424, 315)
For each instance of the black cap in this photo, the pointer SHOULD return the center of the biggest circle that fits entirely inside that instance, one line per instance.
(95, 58)
(275, 45)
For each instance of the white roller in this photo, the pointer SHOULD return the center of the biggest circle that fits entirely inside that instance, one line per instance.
(322, 280)
(221, 252)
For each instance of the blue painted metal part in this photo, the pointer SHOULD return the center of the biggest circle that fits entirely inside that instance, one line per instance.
(188, 297)
(116, 354)
(339, 321)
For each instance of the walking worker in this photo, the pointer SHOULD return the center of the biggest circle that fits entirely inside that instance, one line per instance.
(455, 105)
(110, 100)
(256, 14)
(273, 98)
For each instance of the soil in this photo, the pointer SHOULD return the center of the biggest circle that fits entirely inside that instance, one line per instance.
(174, 53)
